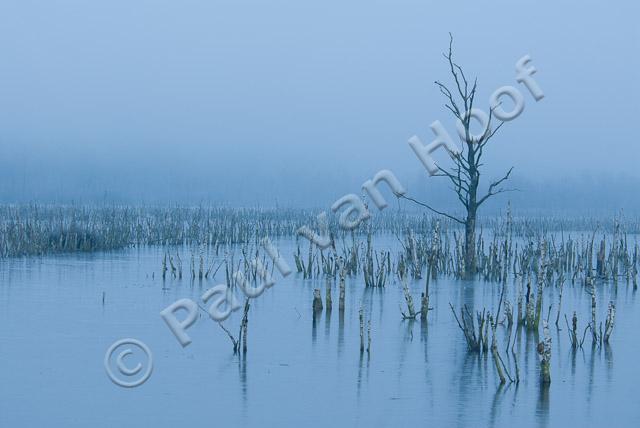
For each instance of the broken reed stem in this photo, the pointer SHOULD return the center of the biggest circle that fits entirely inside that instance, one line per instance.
(508, 313)
(475, 342)
(519, 316)
(515, 358)
(594, 333)
(361, 316)
(609, 323)
(164, 266)
(409, 301)
(424, 299)
(431, 272)
(424, 307)
(542, 266)
(342, 273)
(573, 330)
(544, 349)
(561, 287)
(245, 325)
(530, 307)
(500, 369)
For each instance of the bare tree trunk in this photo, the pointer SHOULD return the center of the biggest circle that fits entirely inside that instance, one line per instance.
(472, 207)
(470, 245)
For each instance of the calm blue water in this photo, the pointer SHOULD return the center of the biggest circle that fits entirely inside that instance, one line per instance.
(55, 330)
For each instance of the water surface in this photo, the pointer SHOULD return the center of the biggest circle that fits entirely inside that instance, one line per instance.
(300, 370)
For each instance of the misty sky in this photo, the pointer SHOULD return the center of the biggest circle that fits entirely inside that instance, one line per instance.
(299, 102)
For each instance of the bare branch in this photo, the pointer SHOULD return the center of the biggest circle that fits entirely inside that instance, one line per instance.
(493, 186)
(430, 208)
(447, 93)
(453, 66)
(461, 185)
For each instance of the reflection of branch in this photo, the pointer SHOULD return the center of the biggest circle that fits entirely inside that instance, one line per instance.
(430, 208)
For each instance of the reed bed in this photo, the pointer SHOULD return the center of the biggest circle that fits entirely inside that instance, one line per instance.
(47, 229)
(44, 229)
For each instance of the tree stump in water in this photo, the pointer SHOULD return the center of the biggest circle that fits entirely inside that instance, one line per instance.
(317, 300)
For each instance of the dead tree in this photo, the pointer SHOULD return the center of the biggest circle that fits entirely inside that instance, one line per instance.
(465, 173)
